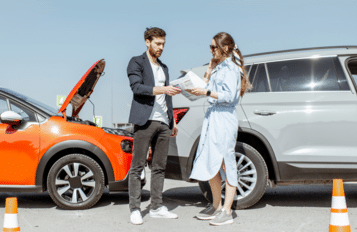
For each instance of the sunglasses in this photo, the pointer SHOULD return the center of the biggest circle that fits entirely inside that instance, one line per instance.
(213, 47)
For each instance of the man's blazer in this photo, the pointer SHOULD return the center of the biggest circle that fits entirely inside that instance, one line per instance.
(142, 82)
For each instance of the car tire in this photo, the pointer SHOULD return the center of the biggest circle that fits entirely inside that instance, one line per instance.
(258, 185)
(75, 182)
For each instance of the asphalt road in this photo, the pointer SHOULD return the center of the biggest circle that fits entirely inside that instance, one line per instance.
(285, 208)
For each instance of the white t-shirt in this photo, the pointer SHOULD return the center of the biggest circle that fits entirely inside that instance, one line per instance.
(159, 112)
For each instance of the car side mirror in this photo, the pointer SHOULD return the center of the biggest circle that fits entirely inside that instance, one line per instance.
(11, 118)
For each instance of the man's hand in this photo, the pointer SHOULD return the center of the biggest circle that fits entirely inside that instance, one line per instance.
(197, 91)
(172, 91)
(169, 90)
(174, 130)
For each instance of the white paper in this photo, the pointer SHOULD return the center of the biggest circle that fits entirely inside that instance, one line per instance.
(189, 81)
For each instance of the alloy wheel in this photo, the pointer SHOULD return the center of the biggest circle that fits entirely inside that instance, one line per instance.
(247, 177)
(75, 183)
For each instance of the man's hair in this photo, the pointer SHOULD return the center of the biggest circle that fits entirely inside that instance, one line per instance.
(152, 32)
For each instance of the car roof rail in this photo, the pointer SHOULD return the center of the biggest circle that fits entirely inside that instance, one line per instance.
(301, 49)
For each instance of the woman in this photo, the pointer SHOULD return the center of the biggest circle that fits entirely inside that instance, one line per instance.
(227, 82)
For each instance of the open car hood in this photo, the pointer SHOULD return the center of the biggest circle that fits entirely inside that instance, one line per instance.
(83, 89)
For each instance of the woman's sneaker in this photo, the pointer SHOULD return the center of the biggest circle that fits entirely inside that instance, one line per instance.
(162, 212)
(136, 218)
(222, 218)
(208, 213)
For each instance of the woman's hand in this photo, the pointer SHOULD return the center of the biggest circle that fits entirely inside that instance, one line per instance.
(212, 64)
(197, 91)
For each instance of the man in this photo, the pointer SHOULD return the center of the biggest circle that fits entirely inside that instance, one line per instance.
(152, 115)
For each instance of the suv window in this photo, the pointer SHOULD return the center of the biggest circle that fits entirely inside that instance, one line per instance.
(3, 105)
(260, 81)
(26, 114)
(251, 73)
(247, 69)
(342, 80)
(320, 74)
(352, 66)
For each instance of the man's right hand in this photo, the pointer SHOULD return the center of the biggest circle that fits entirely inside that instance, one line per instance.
(172, 91)
(169, 90)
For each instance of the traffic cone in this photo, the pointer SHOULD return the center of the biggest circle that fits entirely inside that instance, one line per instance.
(11, 222)
(339, 217)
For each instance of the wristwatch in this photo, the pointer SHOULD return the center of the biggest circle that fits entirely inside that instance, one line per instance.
(208, 93)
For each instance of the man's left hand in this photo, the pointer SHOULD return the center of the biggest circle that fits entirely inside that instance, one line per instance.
(174, 131)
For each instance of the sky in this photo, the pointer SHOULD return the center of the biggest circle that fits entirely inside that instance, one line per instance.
(46, 46)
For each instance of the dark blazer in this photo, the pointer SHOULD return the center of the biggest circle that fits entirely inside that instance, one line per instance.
(142, 82)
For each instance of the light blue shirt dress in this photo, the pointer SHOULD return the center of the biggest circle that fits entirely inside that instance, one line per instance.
(220, 126)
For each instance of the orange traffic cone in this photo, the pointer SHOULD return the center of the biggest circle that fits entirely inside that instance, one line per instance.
(11, 222)
(339, 217)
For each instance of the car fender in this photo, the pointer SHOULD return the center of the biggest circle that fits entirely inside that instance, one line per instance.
(74, 144)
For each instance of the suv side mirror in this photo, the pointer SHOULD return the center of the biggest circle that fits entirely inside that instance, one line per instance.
(11, 118)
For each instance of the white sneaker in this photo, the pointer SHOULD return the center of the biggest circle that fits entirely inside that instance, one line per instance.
(162, 212)
(136, 217)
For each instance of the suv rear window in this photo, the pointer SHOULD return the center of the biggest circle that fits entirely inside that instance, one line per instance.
(322, 74)
(251, 73)
(352, 66)
(260, 80)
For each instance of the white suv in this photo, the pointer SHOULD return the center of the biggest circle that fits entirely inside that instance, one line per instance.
(296, 126)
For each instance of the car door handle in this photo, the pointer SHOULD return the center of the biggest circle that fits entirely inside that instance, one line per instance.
(264, 112)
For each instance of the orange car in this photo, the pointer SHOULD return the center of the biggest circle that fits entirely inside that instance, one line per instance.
(73, 159)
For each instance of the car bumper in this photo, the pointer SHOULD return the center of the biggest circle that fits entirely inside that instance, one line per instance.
(123, 185)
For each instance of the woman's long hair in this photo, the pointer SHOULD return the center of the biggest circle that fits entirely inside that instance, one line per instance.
(224, 39)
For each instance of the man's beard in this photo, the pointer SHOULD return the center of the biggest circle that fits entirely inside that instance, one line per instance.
(153, 53)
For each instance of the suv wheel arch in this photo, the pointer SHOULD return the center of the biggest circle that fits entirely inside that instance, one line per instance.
(262, 145)
(244, 135)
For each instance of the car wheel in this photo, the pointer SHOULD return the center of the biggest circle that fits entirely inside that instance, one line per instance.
(75, 182)
(252, 178)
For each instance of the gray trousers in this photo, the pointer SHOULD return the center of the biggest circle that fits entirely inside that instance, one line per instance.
(157, 134)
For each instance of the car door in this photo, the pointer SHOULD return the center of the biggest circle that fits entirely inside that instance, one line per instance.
(19, 147)
(308, 113)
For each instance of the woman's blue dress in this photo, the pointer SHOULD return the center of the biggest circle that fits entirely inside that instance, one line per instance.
(220, 126)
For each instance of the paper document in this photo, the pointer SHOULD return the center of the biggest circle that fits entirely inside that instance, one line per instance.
(189, 81)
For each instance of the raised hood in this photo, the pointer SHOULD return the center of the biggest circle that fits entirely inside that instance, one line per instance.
(83, 89)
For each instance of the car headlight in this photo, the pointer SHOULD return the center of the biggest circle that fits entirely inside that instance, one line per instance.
(127, 146)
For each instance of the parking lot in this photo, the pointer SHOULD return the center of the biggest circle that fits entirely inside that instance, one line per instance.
(285, 208)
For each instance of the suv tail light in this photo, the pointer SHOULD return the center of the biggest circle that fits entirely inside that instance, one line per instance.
(179, 113)
(149, 155)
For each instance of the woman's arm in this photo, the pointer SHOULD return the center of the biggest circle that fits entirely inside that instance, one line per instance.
(206, 78)
(230, 86)
(212, 64)
(227, 93)
(200, 91)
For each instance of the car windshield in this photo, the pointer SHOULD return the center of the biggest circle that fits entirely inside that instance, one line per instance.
(44, 107)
